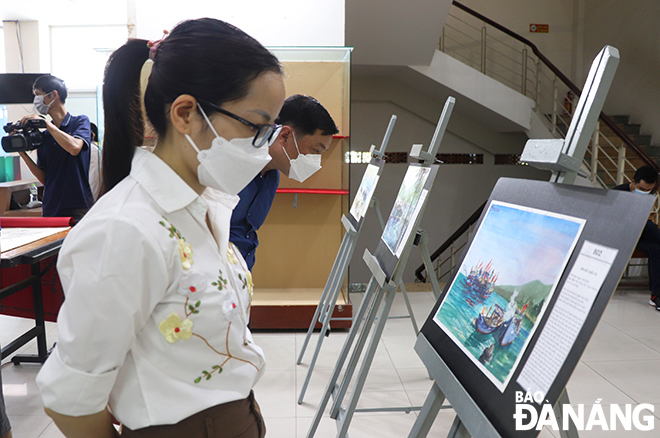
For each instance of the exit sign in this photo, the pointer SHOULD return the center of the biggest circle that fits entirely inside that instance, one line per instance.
(539, 28)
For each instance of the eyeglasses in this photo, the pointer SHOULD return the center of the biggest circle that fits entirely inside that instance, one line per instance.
(265, 134)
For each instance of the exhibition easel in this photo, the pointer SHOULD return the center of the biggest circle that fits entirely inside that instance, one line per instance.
(564, 158)
(381, 290)
(461, 401)
(328, 300)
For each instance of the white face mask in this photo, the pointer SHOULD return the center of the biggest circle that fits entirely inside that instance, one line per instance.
(642, 192)
(229, 165)
(39, 106)
(303, 166)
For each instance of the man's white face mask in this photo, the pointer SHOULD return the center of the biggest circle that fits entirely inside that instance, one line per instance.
(303, 166)
(39, 106)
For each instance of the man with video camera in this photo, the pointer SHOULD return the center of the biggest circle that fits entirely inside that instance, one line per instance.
(63, 157)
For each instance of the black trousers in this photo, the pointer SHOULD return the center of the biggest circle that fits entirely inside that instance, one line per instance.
(649, 244)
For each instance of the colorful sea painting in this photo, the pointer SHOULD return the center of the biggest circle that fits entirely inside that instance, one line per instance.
(504, 284)
(406, 207)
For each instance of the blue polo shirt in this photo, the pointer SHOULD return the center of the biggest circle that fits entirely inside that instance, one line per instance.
(66, 182)
(251, 211)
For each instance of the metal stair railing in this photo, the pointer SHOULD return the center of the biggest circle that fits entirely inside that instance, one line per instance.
(516, 62)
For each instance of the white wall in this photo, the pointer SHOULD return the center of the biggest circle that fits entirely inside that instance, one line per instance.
(631, 27)
(557, 45)
(394, 32)
(287, 23)
(282, 23)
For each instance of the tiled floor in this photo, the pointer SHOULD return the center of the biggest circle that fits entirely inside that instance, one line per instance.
(620, 366)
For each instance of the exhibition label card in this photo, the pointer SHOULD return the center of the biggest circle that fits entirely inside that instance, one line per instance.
(567, 317)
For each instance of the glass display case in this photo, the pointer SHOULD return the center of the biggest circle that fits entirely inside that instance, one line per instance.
(299, 241)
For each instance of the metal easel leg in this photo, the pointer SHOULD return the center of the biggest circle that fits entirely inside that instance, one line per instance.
(332, 384)
(429, 411)
(357, 351)
(410, 310)
(424, 249)
(458, 429)
(368, 359)
(335, 289)
(559, 415)
(329, 290)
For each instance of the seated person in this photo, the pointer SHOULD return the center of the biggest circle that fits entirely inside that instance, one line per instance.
(306, 133)
(644, 181)
(63, 157)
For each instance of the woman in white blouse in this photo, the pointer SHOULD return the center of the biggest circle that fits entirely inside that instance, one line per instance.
(153, 329)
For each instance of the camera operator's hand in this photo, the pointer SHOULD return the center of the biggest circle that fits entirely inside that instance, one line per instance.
(31, 116)
(69, 143)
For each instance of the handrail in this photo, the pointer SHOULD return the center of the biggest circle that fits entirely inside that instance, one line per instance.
(607, 120)
(514, 35)
(458, 233)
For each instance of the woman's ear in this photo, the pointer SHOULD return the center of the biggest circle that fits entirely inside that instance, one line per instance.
(182, 111)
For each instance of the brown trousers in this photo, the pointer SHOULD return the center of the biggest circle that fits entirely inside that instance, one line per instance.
(237, 419)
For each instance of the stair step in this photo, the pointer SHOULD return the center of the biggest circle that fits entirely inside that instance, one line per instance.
(637, 162)
(631, 129)
(652, 151)
(606, 179)
(607, 164)
(621, 119)
(642, 140)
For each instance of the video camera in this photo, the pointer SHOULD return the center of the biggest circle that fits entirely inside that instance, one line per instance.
(23, 137)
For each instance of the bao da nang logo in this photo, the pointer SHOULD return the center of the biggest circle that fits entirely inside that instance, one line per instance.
(620, 417)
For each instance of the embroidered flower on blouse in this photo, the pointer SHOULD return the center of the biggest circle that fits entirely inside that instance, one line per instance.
(174, 329)
(229, 308)
(231, 255)
(246, 279)
(185, 252)
(191, 283)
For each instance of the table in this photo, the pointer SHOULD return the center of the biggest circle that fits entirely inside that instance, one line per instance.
(31, 254)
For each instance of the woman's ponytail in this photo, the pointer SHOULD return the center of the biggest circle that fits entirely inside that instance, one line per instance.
(122, 106)
(206, 58)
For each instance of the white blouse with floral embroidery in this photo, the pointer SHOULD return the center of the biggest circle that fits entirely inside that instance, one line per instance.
(155, 318)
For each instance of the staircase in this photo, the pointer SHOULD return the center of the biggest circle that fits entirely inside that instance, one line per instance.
(617, 148)
(616, 163)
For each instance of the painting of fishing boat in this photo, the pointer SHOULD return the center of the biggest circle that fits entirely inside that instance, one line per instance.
(502, 287)
(490, 321)
(480, 283)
